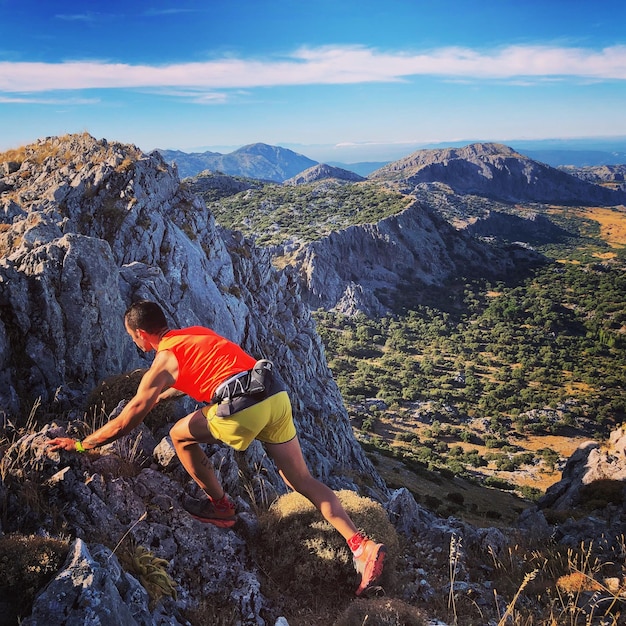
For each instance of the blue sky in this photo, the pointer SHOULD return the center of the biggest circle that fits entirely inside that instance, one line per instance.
(341, 80)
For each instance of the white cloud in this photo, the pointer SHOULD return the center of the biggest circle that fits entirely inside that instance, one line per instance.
(39, 100)
(327, 65)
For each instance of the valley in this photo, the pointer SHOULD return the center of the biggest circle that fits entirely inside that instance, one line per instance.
(497, 387)
(473, 383)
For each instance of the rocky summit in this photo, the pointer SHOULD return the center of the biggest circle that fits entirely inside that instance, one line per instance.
(496, 171)
(86, 227)
(89, 226)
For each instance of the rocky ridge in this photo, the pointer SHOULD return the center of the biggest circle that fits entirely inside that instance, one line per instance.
(495, 171)
(360, 268)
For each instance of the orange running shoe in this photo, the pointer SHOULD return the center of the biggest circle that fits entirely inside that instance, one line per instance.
(221, 514)
(369, 564)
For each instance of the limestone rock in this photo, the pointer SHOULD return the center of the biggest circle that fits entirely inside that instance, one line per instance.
(88, 227)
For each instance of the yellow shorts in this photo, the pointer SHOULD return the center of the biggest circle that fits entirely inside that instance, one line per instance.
(269, 421)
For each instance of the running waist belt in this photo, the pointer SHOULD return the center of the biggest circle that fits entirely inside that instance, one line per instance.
(249, 383)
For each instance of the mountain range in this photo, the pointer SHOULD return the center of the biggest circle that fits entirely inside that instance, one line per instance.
(344, 263)
(278, 163)
(256, 160)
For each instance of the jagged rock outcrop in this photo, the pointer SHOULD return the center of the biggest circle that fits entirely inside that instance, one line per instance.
(495, 171)
(355, 269)
(592, 473)
(321, 172)
(87, 227)
(96, 590)
(588, 505)
(257, 160)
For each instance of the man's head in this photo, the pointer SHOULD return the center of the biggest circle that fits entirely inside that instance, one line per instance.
(144, 318)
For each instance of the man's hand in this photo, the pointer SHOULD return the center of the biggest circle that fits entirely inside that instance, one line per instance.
(62, 443)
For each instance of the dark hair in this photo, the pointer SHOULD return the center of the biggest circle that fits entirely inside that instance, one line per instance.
(147, 316)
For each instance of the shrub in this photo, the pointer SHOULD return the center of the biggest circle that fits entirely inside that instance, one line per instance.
(599, 493)
(307, 563)
(27, 564)
(456, 497)
(382, 612)
(499, 483)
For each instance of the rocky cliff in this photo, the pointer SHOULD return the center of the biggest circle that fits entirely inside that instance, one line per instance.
(363, 268)
(88, 226)
(495, 171)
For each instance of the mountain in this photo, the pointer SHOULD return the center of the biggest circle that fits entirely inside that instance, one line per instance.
(256, 160)
(189, 163)
(495, 171)
(322, 172)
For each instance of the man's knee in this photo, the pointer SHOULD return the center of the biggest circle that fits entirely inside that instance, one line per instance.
(179, 432)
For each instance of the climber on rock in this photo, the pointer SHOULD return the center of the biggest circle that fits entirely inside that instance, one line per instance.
(244, 401)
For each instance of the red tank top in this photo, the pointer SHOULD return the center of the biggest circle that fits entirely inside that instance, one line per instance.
(205, 360)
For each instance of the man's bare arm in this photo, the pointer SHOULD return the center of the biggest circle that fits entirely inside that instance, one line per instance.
(157, 378)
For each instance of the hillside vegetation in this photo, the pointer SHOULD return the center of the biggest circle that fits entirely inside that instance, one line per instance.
(275, 214)
(468, 380)
(492, 381)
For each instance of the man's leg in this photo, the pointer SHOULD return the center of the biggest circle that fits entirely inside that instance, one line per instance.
(289, 460)
(368, 555)
(186, 435)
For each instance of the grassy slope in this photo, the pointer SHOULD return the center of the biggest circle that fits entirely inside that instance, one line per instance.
(479, 503)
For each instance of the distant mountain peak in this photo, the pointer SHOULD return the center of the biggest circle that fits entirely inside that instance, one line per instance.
(495, 171)
(255, 160)
(322, 171)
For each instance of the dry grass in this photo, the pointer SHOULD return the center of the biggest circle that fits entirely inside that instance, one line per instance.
(307, 567)
(612, 224)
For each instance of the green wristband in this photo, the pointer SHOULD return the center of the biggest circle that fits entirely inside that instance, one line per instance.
(79, 446)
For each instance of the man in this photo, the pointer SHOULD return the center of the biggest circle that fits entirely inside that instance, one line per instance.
(210, 369)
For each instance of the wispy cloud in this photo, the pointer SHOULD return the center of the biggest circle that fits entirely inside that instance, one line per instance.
(40, 100)
(89, 17)
(173, 11)
(327, 65)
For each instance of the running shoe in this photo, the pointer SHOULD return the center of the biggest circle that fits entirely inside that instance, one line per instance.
(369, 564)
(221, 514)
